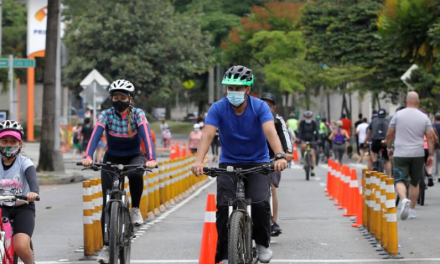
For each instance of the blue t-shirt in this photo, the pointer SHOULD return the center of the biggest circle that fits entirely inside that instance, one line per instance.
(241, 136)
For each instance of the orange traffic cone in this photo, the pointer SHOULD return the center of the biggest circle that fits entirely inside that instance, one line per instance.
(209, 237)
(178, 154)
(173, 151)
(353, 187)
(295, 153)
(184, 151)
(329, 178)
(359, 209)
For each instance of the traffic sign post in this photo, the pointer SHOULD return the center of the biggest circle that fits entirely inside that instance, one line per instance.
(17, 63)
(12, 64)
(94, 86)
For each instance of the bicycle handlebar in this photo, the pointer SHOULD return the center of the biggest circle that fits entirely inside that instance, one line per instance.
(213, 172)
(97, 166)
(13, 198)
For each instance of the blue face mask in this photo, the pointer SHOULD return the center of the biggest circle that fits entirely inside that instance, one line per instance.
(236, 98)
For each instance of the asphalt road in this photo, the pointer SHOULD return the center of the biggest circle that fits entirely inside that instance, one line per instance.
(314, 230)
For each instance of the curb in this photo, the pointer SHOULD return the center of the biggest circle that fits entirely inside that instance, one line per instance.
(50, 178)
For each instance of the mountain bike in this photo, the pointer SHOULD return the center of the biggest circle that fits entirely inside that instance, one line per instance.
(308, 160)
(118, 229)
(241, 247)
(7, 253)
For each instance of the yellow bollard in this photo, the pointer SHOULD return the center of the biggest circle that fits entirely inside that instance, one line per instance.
(100, 201)
(143, 206)
(371, 203)
(365, 175)
(383, 210)
(162, 182)
(127, 191)
(156, 193)
(393, 244)
(167, 184)
(88, 220)
(378, 207)
(96, 216)
(151, 199)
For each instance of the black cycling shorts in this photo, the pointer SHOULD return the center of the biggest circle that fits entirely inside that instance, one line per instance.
(377, 146)
(22, 218)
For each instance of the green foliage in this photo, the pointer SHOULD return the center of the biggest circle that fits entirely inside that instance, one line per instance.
(14, 26)
(343, 34)
(279, 53)
(145, 42)
(409, 27)
(427, 85)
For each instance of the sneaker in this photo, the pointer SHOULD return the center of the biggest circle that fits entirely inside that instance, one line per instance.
(430, 181)
(136, 216)
(264, 254)
(404, 209)
(104, 256)
(412, 214)
(312, 173)
(225, 261)
(275, 230)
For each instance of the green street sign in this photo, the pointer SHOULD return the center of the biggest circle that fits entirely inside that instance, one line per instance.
(18, 63)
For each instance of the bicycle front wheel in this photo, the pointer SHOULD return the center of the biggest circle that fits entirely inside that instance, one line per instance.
(115, 227)
(124, 254)
(307, 165)
(237, 237)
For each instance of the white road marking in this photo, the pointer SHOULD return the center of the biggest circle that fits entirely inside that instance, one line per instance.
(322, 184)
(158, 261)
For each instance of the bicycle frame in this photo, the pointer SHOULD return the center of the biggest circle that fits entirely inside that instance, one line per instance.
(7, 248)
(6, 233)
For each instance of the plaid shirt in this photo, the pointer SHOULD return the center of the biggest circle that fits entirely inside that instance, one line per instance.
(119, 142)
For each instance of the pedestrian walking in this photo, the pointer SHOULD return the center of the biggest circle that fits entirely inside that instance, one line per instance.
(339, 136)
(194, 139)
(360, 121)
(361, 135)
(407, 129)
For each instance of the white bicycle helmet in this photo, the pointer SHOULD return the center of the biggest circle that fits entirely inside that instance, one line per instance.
(11, 125)
(121, 86)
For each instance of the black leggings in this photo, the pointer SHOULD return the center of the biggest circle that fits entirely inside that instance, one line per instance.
(214, 146)
(257, 188)
(135, 178)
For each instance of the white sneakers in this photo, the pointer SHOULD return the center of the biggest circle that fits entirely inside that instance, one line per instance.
(136, 216)
(404, 209)
(412, 214)
(104, 256)
(264, 254)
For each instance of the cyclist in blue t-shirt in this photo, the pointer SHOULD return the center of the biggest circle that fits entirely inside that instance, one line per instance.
(244, 123)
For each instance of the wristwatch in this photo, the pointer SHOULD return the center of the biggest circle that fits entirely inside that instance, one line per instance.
(280, 156)
(390, 149)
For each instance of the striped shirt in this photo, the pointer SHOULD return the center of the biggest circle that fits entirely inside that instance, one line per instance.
(119, 143)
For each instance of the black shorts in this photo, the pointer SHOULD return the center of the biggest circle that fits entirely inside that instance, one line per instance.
(313, 144)
(275, 178)
(377, 146)
(408, 169)
(22, 218)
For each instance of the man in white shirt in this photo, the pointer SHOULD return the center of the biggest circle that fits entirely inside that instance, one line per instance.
(361, 132)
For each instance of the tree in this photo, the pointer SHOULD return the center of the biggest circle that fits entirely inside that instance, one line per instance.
(410, 27)
(344, 34)
(146, 42)
(48, 157)
(427, 85)
(14, 28)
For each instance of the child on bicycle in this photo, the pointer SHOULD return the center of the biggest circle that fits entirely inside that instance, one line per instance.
(18, 177)
(126, 129)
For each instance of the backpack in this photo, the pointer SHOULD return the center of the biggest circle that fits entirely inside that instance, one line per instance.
(381, 130)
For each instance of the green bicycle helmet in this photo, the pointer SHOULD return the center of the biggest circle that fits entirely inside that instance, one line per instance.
(318, 118)
(238, 75)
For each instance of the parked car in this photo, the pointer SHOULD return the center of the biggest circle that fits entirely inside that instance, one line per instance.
(191, 117)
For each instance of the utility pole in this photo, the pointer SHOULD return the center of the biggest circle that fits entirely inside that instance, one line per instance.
(1, 25)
